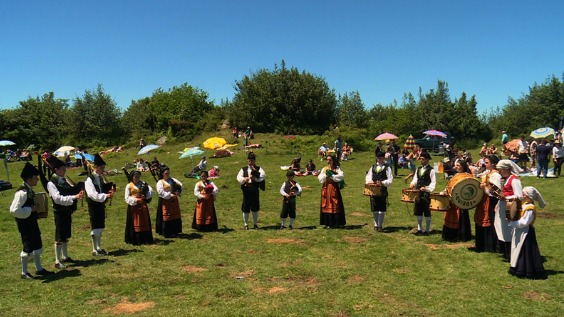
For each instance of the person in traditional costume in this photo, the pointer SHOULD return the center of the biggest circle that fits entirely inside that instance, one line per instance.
(252, 178)
(526, 260)
(486, 238)
(379, 175)
(169, 219)
(456, 225)
(23, 208)
(510, 192)
(65, 199)
(290, 190)
(332, 209)
(138, 221)
(97, 193)
(424, 180)
(205, 217)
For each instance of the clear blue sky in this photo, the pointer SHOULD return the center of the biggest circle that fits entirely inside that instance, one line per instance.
(382, 49)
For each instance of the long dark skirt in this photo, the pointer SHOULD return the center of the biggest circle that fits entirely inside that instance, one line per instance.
(464, 230)
(137, 238)
(486, 238)
(529, 262)
(331, 200)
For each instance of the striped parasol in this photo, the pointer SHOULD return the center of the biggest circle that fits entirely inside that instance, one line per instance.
(409, 143)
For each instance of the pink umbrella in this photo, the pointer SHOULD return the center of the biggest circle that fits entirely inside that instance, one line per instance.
(435, 132)
(386, 136)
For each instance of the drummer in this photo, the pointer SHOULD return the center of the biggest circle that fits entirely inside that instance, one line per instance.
(381, 176)
(456, 225)
(424, 180)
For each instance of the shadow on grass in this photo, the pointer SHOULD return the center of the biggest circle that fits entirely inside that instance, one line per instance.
(306, 228)
(395, 229)
(163, 241)
(225, 230)
(59, 275)
(353, 227)
(86, 263)
(190, 236)
(122, 252)
(552, 272)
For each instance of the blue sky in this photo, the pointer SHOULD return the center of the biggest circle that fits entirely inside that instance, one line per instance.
(382, 49)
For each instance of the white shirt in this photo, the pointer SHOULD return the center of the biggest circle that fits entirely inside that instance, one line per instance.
(132, 200)
(389, 175)
(557, 152)
(259, 179)
(198, 189)
(16, 208)
(162, 192)
(56, 195)
(283, 193)
(429, 188)
(91, 190)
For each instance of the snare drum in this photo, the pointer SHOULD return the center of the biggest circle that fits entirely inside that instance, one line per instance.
(372, 190)
(464, 191)
(409, 195)
(439, 202)
(41, 202)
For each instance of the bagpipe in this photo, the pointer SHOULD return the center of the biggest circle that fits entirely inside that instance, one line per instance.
(293, 190)
(144, 186)
(46, 172)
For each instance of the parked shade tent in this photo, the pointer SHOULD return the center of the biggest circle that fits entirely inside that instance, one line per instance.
(147, 148)
(409, 143)
(386, 136)
(5, 159)
(214, 143)
(542, 133)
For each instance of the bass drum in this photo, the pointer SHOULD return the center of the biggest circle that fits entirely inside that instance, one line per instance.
(439, 202)
(41, 201)
(409, 195)
(464, 191)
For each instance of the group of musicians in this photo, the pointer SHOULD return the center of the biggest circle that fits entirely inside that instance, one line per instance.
(499, 183)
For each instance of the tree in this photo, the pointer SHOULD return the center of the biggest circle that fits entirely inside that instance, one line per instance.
(96, 120)
(41, 121)
(284, 101)
(351, 111)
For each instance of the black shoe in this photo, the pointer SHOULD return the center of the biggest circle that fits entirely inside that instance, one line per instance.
(375, 228)
(246, 227)
(43, 272)
(69, 260)
(282, 227)
(60, 266)
(290, 228)
(102, 251)
(426, 233)
(26, 276)
(418, 233)
(97, 253)
(255, 227)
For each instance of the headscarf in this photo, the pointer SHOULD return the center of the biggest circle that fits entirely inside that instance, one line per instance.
(509, 165)
(534, 194)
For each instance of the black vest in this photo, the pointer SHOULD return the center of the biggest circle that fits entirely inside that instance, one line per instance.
(425, 179)
(64, 189)
(256, 174)
(381, 176)
(30, 196)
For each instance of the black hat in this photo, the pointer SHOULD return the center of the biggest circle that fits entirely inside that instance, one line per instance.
(290, 173)
(54, 162)
(98, 161)
(163, 169)
(493, 159)
(251, 156)
(380, 154)
(425, 155)
(29, 171)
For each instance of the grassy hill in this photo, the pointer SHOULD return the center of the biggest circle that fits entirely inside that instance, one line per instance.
(308, 271)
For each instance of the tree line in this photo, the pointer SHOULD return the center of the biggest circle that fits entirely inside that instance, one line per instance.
(282, 100)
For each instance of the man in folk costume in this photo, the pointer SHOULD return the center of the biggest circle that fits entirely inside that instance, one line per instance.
(64, 204)
(24, 209)
(380, 175)
(512, 191)
(290, 189)
(96, 198)
(169, 217)
(526, 260)
(425, 180)
(252, 178)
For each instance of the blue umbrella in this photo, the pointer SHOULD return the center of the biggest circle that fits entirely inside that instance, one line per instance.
(87, 156)
(542, 133)
(147, 148)
(191, 152)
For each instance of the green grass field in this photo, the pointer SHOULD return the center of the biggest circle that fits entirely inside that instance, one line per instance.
(308, 271)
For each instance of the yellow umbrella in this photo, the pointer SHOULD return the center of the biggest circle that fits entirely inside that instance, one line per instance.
(213, 143)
